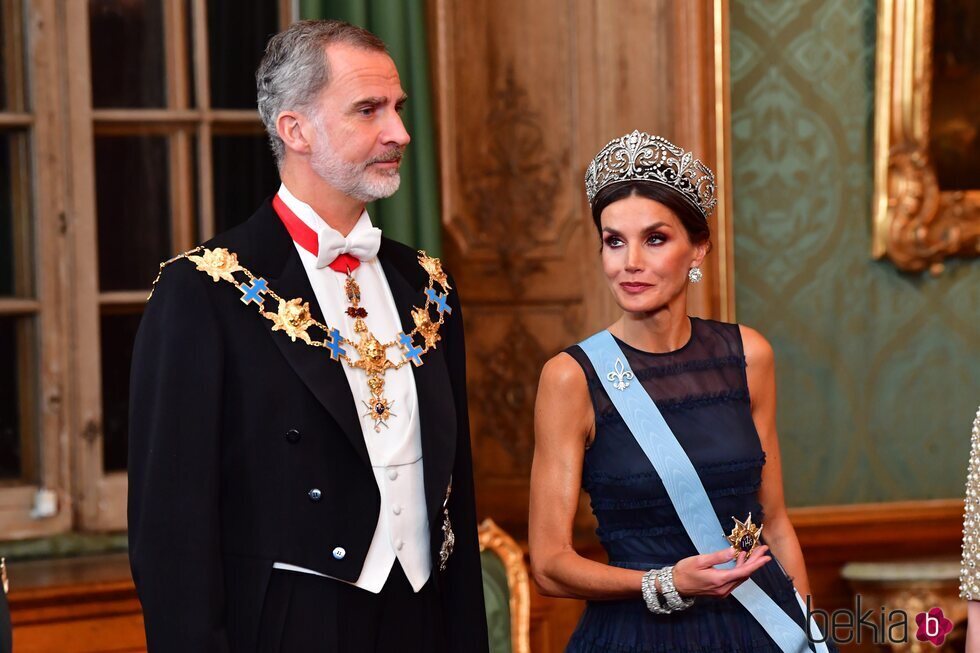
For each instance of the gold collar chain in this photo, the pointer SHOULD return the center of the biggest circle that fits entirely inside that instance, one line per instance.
(294, 319)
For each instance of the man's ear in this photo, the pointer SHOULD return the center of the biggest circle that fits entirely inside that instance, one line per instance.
(295, 131)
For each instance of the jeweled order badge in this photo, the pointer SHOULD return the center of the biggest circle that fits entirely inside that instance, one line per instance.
(745, 535)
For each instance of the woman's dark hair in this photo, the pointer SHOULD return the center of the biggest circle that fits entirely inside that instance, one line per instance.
(694, 223)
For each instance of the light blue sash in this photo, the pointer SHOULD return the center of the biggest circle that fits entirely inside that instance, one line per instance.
(685, 489)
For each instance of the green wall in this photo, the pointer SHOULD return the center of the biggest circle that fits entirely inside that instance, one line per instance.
(878, 371)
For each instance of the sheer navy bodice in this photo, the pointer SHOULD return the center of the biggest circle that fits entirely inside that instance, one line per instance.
(702, 392)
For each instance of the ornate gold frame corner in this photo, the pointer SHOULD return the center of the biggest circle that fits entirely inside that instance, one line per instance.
(915, 224)
(494, 538)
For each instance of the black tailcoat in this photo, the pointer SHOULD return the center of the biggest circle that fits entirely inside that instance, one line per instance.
(232, 425)
(6, 645)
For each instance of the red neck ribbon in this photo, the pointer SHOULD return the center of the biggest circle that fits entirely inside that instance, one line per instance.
(308, 239)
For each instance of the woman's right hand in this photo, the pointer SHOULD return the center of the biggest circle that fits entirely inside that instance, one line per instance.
(697, 576)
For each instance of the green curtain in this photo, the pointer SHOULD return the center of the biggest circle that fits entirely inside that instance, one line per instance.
(412, 214)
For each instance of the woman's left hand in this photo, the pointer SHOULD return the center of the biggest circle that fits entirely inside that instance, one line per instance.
(698, 576)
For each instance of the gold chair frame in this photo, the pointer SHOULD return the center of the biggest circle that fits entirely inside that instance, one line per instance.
(492, 537)
(916, 224)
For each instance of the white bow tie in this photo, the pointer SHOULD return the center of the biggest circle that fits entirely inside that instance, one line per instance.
(362, 245)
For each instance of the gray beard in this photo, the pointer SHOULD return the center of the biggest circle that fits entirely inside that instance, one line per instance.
(352, 179)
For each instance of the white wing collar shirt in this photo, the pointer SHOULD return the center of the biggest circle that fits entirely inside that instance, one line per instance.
(402, 532)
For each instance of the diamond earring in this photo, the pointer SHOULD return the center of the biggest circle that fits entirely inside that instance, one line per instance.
(694, 274)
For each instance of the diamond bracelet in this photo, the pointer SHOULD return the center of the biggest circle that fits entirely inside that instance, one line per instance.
(650, 593)
(674, 600)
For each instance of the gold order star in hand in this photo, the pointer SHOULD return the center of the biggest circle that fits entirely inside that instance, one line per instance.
(434, 267)
(745, 535)
(218, 263)
(293, 317)
(427, 328)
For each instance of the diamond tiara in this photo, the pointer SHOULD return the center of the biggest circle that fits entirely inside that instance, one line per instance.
(641, 157)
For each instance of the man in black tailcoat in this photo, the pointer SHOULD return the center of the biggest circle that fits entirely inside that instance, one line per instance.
(300, 475)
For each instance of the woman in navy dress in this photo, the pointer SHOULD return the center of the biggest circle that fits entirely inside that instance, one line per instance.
(715, 385)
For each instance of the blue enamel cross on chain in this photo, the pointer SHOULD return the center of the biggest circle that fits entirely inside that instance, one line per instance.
(412, 352)
(439, 301)
(254, 292)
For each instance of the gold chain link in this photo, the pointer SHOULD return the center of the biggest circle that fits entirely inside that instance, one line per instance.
(312, 321)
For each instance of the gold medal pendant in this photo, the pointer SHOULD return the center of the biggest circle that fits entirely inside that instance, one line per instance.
(379, 408)
(372, 358)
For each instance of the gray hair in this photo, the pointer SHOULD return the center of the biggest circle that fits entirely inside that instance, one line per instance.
(294, 69)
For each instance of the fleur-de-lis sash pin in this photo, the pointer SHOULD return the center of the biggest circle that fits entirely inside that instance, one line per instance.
(620, 376)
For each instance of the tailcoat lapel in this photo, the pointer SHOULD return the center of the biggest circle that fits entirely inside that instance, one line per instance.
(324, 377)
(437, 412)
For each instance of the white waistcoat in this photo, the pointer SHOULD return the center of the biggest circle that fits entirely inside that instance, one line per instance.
(396, 452)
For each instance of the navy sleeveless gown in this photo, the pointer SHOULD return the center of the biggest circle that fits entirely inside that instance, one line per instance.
(702, 392)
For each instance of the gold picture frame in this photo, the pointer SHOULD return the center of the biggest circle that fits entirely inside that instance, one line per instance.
(917, 224)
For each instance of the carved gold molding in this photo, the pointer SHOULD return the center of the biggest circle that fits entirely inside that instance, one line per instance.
(724, 234)
(916, 224)
(702, 88)
(492, 537)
